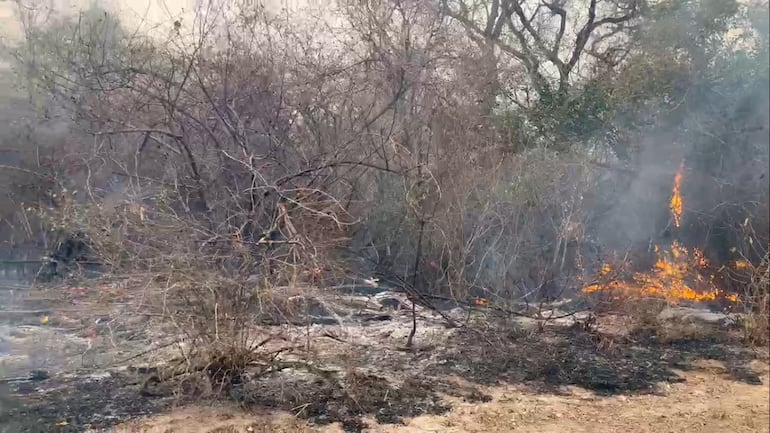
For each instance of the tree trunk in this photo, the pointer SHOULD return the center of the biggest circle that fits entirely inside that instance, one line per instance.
(488, 81)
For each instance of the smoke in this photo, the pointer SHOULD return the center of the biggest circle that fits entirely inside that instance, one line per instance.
(719, 129)
(640, 213)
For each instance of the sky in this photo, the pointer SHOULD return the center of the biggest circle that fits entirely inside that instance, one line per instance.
(134, 12)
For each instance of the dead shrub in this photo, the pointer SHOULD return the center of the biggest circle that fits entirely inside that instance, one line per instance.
(216, 290)
(641, 315)
(755, 303)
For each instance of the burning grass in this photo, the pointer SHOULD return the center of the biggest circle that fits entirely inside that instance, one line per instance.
(678, 275)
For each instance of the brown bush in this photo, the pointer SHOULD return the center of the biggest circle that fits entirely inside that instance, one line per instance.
(755, 302)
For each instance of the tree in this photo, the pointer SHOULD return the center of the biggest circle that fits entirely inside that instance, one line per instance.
(548, 39)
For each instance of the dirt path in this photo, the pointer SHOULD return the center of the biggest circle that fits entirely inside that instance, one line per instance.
(708, 401)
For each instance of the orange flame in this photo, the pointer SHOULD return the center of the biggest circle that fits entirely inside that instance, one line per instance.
(676, 204)
(677, 274)
(742, 264)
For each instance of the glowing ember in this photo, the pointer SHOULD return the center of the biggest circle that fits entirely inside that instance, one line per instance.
(606, 269)
(676, 204)
(678, 274)
(742, 264)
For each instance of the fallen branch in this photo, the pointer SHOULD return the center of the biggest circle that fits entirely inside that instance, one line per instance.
(508, 311)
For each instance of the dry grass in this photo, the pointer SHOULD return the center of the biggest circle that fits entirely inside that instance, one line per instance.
(216, 419)
(707, 402)
(756, 304)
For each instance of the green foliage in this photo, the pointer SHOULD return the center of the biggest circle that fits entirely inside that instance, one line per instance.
(577, 117)
(692, 26)
(678, 54)
(559, 120)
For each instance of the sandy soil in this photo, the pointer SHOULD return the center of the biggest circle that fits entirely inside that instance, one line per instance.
(708, 401)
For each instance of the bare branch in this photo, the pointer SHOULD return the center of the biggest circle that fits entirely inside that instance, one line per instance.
(137, 131)
(591, 24)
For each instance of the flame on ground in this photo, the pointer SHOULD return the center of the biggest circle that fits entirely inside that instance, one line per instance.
(678, 274)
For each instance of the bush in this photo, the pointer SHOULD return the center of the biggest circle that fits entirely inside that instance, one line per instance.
(755, 303)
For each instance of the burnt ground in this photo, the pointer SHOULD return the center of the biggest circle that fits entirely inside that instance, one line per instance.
(75, 404)
(604, 364)
(377, 378)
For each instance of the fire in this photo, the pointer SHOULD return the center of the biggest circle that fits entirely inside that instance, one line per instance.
(676, 204)
(742, 264)
(677, 275)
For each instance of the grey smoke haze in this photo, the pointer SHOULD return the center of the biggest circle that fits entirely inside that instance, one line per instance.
(641, 211)
(733, 180)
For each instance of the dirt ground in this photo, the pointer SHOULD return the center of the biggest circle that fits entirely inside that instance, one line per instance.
(707, 401)
(690, 373)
